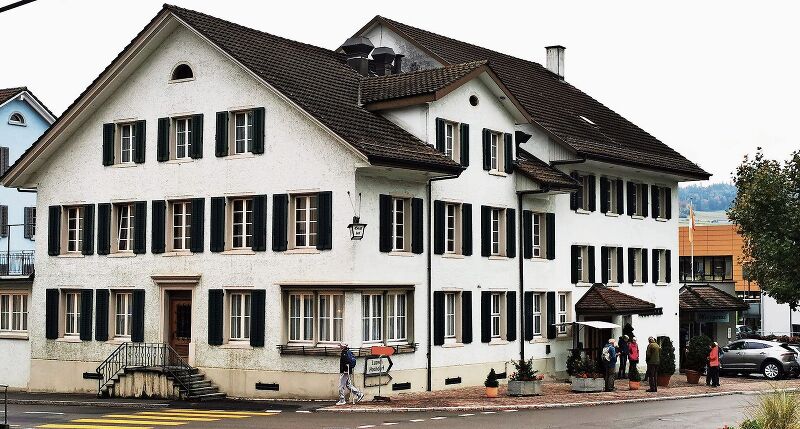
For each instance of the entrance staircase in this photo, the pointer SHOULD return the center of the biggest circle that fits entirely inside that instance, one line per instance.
(157, 361)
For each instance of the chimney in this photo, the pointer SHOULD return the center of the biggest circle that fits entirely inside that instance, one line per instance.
(383, 58)
(555, 59)
(357, 50)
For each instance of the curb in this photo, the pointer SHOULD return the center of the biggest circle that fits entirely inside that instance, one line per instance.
(136, 405)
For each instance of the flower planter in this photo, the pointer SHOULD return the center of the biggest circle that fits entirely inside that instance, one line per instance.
(588, 384)
(634, 385)
(525, 388)
(663, 380)
(692, 377)
(491, 392)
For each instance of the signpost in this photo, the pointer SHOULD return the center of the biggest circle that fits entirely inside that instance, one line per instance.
(378, 364)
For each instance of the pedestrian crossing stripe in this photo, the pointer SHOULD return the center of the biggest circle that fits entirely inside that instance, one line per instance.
(116, 421)
(154, 419)
(217, 415)
(168, 418)
(242, 413)
(79, 426)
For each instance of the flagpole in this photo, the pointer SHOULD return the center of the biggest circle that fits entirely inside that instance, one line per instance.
(691, 234)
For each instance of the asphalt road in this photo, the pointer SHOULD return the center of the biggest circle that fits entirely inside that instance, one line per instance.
(711, 413)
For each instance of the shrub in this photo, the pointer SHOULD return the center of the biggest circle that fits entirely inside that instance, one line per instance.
(667, 364)
(776, 410)
(524, 371)
(696, 356)
(573, 361)
(491, 379)
(587, 368)
(633, 374)
(750, 424)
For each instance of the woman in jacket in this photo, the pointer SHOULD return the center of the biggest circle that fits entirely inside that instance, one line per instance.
(713, 365)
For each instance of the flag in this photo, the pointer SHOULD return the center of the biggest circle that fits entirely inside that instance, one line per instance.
(691, 224)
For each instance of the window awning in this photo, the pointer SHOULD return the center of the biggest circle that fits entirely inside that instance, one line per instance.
(600, 299)
(709, 298)
(592, 324)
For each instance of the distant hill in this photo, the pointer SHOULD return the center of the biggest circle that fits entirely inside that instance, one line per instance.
(710, 198)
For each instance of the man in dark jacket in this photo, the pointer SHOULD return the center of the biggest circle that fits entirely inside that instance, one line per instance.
(623, 357)
(610, 361)
(347, 361)
(653, 358)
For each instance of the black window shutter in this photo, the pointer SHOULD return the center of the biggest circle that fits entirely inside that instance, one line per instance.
(550, 224)
(486, 317)
(215, 315)
(260, 223)
(656, 204)
(668, 265)
(385, 222)
(438, 318)
(197, 138)
(86, 314)
(575, 253)
(527, 234)
(440, 134)
(604, 264)
(631, 199)
(417, 227)
(137, 318)
(631, 265)
(655, 265)
(620, 196)
(280, 218)
(54, 231)
(141, 142)
(217, 224)
(259, 129)
(487, 149)
(592, 194)
(576, 197)
(162, 140)
(140, 227)
(527, 309)
(101, 315)
(511, 316)
(511, 233)
(258, 302)
(466, 317)
(464, 136)
(221, 135)
(604, 194)
(668, 202)
(644, 266)
(551, 315)
(30, 223)
(486, 231)
(159, 227)
(198, 225)
(466, 229)
(508, 158)
(103, 229)
(438, 227)
(51, 315)
(644, 200)
(620, 266)
(591, 264)
(108, 144)
(325, 220)
(88, 229)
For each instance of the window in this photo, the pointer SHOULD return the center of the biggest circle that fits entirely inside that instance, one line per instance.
(372, 317)
(707, 268)
(453, 228)
(72, 313)
(242, 224)
(183, 138)
(181, 225)
(240, 316)
(582, 264)
(451, 146)
(637, 261)
(127, 138)
(586, 191)
(450, 316)
(662, 202)
(639, 196)
(74, 226)
(561, 313)
(182, 71)
(613, 204)
(124, 221)
(497, 220)
(397, 317)
(16, 118)
(537, 315)
(123, 314)
(496, 315)
(301, 317)
(13, 312)
(401, 216)
(538, 222)
(661, 261)
(496, 152)
(611, 264)
(305, 221)
(243, 132)
(331, 317)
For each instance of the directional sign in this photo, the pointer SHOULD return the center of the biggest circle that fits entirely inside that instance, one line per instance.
(377, 381)
(375, 366)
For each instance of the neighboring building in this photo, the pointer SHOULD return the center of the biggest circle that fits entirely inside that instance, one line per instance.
(198, 194)
(23, 118)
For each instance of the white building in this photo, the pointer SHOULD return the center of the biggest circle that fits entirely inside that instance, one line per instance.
(199, 192)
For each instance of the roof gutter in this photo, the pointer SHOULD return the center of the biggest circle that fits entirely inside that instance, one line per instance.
(568, 161)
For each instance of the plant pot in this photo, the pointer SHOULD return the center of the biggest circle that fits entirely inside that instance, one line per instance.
(663, 380)
(692, 377)
(491, 392)
(588, 384)
(525, 388)
(634, 385)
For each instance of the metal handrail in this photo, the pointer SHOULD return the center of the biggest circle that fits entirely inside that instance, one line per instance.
(5, 404)
(143, 355)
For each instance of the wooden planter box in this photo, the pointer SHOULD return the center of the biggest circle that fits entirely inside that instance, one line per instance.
(525, 388)
(588, 384)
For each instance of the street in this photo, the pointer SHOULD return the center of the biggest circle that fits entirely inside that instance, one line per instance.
(700, 413)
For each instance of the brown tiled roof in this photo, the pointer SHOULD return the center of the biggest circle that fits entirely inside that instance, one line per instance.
(557, 106)
(322, 84)
(9, 93)
(542, 173)
(380, 88)
(600, 299)
(709, 298)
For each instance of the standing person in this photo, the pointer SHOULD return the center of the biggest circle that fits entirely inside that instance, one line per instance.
(633, 352)
(624, 351)
(610, 361)
(713, 366)
(347, 361)
(653, 359)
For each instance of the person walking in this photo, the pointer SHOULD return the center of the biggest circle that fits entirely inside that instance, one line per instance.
(624, 352)
(610, 361)
(712, 377)
(347, 361)
(653, 359)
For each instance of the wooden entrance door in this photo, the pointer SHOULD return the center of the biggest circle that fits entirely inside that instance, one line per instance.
(596, 339)
(180, 321)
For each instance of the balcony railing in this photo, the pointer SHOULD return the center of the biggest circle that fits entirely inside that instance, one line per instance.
(16, 263)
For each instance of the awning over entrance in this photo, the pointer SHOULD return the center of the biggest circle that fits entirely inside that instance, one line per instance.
(592, 324)
(709, 298)
(602, 300)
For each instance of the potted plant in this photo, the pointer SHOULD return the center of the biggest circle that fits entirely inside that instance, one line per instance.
(524, 381)
(666, 367)
(587, 377)
(696, 358)
(634, 378)
(491, 384)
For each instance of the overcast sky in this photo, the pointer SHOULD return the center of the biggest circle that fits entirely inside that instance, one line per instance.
(712, 79)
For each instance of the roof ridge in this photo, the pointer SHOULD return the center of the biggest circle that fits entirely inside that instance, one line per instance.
(471, 64)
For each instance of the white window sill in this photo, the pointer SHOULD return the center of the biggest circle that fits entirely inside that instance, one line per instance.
(582, 211)
(453, 256)
(237, 344)
(401, 342)
(124, 165)
(400, 253)
(303, 251)
(563, 336)
(638, 217)
(612, 284)
(69, 339)
(245, 155)
(583, 284)
(178, 161)
(452, 345)
(497, 342)
(71, 255)
(662, 284)
(637, 284)
(498, 173)
(498, 258)
(121, 255)
(14, 336)
(538, 339)
(188, 79)
(239, 252)
(661, 219)
(611, 214)
(177, 253)
(538, 259)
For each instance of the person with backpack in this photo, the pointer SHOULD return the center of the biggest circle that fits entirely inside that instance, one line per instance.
(624, 353)
(610, 363)
(347, 362)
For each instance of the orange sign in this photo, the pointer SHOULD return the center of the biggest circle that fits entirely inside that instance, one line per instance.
(381, 350)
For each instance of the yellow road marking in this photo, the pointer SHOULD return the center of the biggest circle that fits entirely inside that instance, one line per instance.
(73, 426)
(243, 413)
(218, 415)
(127, 421)
(178, 418)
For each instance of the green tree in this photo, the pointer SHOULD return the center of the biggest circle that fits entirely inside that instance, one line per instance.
(766, 211)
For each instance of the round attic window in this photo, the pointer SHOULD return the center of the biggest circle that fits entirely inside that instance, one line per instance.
(182, 71)
(473, 100)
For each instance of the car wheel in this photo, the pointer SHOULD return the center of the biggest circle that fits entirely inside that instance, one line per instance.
(771, 371)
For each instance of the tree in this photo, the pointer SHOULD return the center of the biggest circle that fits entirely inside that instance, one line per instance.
(766, 211)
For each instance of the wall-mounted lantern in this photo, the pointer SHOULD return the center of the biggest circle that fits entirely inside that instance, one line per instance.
(356, 229)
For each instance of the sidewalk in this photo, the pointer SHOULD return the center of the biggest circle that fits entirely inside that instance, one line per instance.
(558, 395)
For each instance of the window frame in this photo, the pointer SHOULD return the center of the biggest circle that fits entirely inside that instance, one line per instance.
(583, 264)
(370, 321)
(14, 319)
(79, 219)
(396, 323)
(245, 235)
(452, 140)
(127, 315)
(611, 265)
(662, 202)
(331, 307)
(496, 315)
(21, 122)
(562, 312)
(497, 162)
(638, 200)
(121, 140)
(536, 312)
(637, 267)
(301, 317)
(175, 138)
(240, 315)
(613, 204)
(497, 225)
(450, 321)
(401, 230)
(248, 140)
(538, 226)
(185, 226)
(452, 222)
(72, 313)
(662, 266)
(309, 237)
(118, 209)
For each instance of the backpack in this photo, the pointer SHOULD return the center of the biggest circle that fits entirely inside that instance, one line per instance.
(351, 359)
(607, 353)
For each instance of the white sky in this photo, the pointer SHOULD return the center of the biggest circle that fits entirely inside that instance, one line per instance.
(712, 79)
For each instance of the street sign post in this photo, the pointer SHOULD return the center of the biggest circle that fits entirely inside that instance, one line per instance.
(378, 364)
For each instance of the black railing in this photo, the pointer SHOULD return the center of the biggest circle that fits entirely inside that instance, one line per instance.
(17, 263)
(156, 356)
(5, 405)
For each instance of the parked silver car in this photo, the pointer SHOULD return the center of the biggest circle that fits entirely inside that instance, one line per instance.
(773, 359)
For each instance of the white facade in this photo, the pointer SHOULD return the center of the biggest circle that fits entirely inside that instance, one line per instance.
(778, 319)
